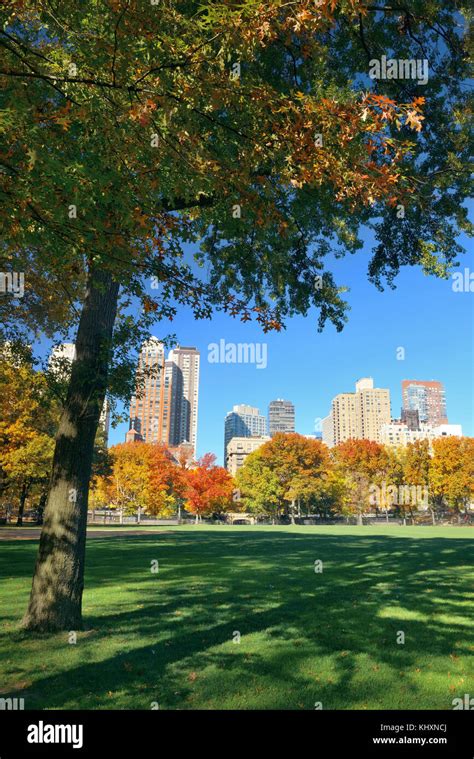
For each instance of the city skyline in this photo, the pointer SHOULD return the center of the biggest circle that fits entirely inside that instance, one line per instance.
(362, 414)
(262, 431)
(423, 414)
(387, 336)
(245, 422)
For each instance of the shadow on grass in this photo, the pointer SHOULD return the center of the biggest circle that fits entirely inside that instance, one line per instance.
(305, 636)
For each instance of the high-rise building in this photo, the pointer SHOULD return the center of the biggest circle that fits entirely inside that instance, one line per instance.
(372, 409)
(165, 406)
(343, 414)
(185, 406)
(59, 364)
(243, 421)
(239, 448)
(357, 415)
(146, 406)
(281, 417)
(426, 397)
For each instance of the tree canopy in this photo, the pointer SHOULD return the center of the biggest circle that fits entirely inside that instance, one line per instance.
(250, 129)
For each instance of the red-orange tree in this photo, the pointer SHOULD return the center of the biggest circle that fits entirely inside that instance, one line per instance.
(251, 129)
(209, 488)
(167, 481)
(143, 477)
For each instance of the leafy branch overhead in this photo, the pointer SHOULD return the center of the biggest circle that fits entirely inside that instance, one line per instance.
(250, 130)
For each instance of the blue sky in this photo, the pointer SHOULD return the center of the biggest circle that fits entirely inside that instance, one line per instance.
(423, 315)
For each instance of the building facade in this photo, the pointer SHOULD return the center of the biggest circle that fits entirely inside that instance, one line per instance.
(358, 415)
(398, 433)
(343, 415)
(164, 408)
(281, 417)
(243, 421)
(146, 406)
(186, 402)
(239, 448)
(372, 409)
(327, 430)
(426, 397)
(411, 418)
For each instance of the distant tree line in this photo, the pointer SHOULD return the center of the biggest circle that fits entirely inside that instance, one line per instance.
(292, 476)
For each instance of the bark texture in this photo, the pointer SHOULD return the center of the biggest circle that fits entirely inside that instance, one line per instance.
(58, 580)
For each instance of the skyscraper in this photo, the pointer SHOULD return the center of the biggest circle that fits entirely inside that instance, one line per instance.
(281, 416)
(185, 404)
(357, 415)
(147, 405)
(343, 415)
(372, 409)
(165, 406)
(426, 397)
(243, 421)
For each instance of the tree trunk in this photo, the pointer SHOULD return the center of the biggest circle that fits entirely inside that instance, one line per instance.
(41, 505)
(58, 581)
(359, 519)
(292, 512)
(433, 518)
(21, 508)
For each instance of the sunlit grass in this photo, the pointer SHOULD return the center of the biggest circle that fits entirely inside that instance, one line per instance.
(305, 637)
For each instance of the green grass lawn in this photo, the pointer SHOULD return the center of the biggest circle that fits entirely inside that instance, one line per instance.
(306, 637)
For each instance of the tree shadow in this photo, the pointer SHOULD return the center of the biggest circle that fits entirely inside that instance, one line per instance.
(305, 636)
